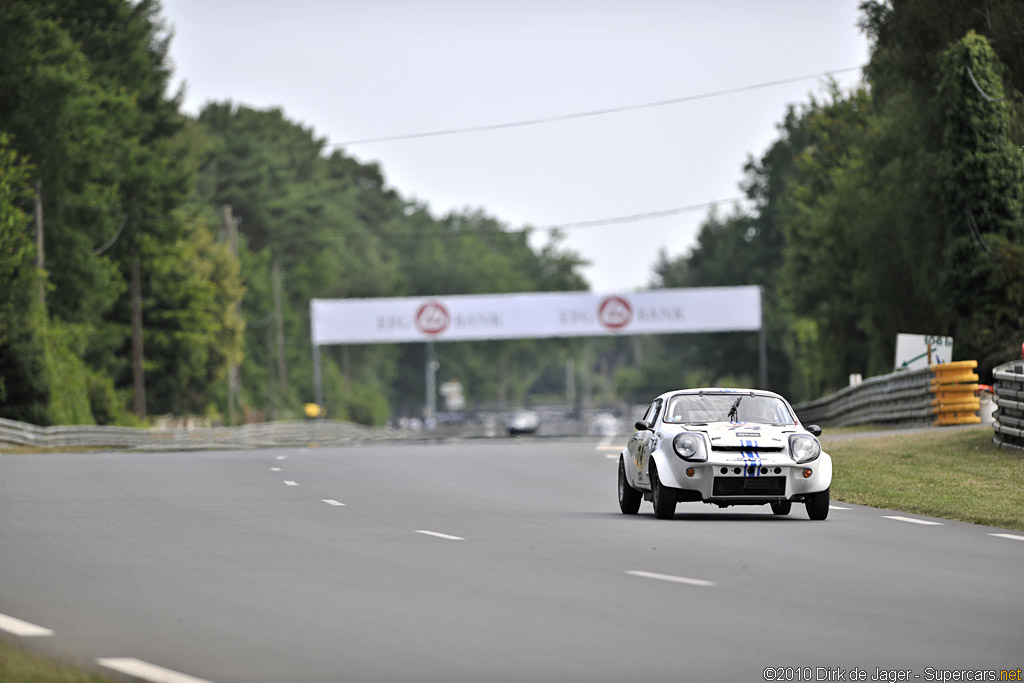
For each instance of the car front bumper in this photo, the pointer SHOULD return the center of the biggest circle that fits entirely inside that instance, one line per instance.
(754, 479)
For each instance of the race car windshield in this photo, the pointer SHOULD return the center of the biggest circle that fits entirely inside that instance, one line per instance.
(692, 408)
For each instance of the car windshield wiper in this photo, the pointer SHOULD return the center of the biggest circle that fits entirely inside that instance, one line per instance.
(735, 410)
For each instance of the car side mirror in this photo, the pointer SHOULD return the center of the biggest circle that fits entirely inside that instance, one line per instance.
(814, 429)
(642, 425)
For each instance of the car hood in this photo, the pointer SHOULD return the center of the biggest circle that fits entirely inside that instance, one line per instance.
(746, 434)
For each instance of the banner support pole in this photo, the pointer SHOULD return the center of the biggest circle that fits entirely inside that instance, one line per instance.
(762, 351)
(318, 387)
(430, 408)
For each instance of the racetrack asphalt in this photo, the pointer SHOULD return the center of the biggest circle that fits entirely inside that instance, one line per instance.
(212, 565)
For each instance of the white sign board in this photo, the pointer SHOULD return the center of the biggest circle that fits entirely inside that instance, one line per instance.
(534, 315)
(918, 351)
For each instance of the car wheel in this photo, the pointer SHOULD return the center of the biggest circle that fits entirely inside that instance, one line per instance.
(663, 497)
(817, 504)
(629, 497)
(781, 507)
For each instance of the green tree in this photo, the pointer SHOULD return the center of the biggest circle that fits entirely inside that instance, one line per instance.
(982, 181)
(23, 390)
(85, 99)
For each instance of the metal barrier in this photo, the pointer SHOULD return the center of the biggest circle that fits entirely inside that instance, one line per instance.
(898, 399)
(554, 423)
(1009, 415)
(319, 432)
(939, 395)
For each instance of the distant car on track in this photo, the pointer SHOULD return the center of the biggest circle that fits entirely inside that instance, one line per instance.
(523, 422)
(724, 447)
(605, 424)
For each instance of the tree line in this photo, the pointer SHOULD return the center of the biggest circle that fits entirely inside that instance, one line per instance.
(127, 179)
(898, 207)
(893, 208)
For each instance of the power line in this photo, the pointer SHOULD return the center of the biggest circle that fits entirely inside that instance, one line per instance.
(595, 112)
(983, 93)
(636, 217)
(595, 223)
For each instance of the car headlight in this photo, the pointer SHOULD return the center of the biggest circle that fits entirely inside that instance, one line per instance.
(690, 447)
(804, 448)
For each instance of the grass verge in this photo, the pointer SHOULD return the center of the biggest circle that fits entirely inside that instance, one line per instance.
(957, 474)
(18, 665)
(27, 450)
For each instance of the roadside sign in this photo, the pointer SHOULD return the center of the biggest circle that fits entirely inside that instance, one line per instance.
(918, 351)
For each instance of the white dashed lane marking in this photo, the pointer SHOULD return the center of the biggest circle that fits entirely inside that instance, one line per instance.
(147, 671)
(912, 520)
(331, 501)
(21, 628)
(836, 507)
(280, 457)
(671, 579)
(1013, 537)
(439, 535)
(289, 482)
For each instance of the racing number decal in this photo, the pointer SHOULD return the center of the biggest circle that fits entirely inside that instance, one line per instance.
(638, 459)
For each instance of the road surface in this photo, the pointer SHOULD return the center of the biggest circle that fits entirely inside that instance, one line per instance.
(477, 561)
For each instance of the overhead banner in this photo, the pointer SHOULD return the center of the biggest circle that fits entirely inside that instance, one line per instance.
(534, 315)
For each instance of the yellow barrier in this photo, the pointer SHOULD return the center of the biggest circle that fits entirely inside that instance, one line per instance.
(955, 386)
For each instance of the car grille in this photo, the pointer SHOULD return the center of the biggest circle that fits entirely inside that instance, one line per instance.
(747, 448)
(749, 486)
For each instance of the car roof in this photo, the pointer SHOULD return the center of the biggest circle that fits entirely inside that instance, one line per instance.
(720, 390)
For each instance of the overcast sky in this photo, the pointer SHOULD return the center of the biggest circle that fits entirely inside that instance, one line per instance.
(358, 69)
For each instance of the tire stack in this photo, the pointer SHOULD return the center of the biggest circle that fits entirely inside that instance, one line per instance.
(1009, 415)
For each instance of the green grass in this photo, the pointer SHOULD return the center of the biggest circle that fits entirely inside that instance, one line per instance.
(957, 474)
(18, 665)
(9, 449)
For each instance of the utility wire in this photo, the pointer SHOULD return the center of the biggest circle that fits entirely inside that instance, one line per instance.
(983, 93)
(596, 112)
(613, 220)
(636, 217)
(109, 243)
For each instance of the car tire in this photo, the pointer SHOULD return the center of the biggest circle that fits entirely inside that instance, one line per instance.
(781, 507)
(817, 504)
(629, 497)
(663, 497)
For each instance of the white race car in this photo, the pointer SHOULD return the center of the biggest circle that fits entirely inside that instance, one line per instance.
(725, 447)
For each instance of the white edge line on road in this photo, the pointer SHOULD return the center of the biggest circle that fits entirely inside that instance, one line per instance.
(331, 501)
(22, 628)
(1010, 536)
(146, 671)
(275, 469)
(289, 482)
(836, 507)
(670, 578)
(438, 535)
(912, 520)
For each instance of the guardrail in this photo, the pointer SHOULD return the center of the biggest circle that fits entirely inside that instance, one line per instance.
(320, 432)
(296, 433)
(940, 395)
(1009, 415)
